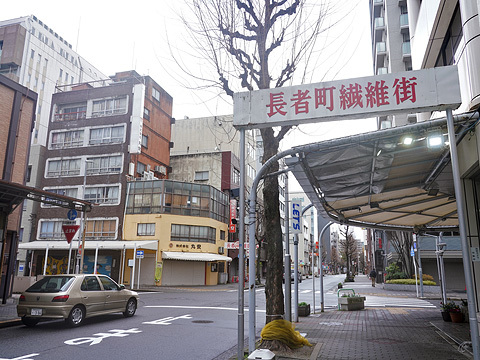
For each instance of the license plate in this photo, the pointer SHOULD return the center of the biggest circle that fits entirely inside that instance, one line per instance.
(36, 312)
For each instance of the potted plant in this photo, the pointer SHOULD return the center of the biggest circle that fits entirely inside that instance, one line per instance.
(350, 302)
(340, 285)
(456, 314)
(445, 310)
(303, 309)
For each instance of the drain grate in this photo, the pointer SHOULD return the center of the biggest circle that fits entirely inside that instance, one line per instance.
(202, 321)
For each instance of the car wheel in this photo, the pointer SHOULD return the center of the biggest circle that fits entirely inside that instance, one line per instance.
(131, 308)
(76, 316)
(29, 321)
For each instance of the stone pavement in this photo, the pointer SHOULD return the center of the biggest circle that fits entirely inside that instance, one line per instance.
(384, 333)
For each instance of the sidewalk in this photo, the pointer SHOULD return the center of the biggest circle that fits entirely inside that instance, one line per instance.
(383, 333)
(374, 333)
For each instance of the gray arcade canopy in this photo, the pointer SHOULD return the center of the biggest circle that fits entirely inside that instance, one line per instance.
(379, 180)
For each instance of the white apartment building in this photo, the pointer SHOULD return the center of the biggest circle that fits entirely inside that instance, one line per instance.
(37, 57)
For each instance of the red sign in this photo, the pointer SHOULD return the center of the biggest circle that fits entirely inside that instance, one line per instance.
(70, 231)
(232, 227)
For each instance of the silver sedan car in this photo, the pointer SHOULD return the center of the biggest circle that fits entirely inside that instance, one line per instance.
(74, 298)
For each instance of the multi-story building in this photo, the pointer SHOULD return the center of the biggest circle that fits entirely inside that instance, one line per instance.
(207, 151)
(98, 138)
(17, 115)
(440, 33)
(188, 222)
(37, 57)
(390, 47)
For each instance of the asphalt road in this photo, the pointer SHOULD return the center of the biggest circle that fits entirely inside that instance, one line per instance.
(170, 324)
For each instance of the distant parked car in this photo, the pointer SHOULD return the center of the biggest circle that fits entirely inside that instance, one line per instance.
(292, 274)
(74, 298)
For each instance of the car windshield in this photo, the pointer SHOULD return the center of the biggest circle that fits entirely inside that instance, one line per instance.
(52, 284)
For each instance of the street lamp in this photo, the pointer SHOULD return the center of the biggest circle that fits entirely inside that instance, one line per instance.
(81, 238)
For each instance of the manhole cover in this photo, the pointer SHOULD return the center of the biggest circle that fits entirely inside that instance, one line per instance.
(202, 321)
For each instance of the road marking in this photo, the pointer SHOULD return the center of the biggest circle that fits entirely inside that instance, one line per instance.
(101, 336)
(197, 307)
(24, 357)
(167, 320)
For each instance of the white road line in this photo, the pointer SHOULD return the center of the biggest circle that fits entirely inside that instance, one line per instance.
(198, 307)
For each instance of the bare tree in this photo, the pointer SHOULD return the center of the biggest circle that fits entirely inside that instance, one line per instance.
(348, 246)
(259, 44)
(402, 242)
(335, 259)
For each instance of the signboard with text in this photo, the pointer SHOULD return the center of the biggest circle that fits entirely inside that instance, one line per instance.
(402, 92)
(296, 216)
(232, 227)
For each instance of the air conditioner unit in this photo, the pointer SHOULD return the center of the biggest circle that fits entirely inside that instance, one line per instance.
(221, 249)
(161, 169)
(148, 175)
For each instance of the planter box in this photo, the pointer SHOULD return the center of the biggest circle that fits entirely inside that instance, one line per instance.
(304, 310)
(351, 303)
(435, 289)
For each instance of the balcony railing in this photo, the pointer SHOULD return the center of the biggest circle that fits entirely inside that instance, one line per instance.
(382, 71)
(406, 48)
(79, 115)
(379, 22)
(381, 47)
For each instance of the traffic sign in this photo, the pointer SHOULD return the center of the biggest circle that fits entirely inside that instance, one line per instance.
(70, 231)
(140, 254)
(72, 214)
(412, 253)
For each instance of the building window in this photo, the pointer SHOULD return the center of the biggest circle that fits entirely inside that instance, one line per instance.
(107, 135)
(104, 164)
(145, 141)
(29, 173)
(32, 54)
(66, 77)
(146, 229)
(102, 194)
(60, 74)
(71, 112)
(201, 175)
(141, 167)
(193, 233)
(156, 94)
(108, 107)
(72, 192)
(236, 176)
(67, 139)
(63, 167)
(51, 230)
(100, 229)
(451, 41)
(146, 114)
(222, 235)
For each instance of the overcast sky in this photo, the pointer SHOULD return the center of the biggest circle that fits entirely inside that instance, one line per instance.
(122, 35)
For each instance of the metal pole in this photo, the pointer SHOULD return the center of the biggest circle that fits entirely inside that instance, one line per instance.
(139, 269)
(312, 247)
(132, 283)
(241, 251)
(96, 259)
(320, 251)
(420, 272)
(251, 274)
(286, 264)
(295, 277)
(467, 265)
(82, 227)
(45, 262)
(123, 265)
(69, 257)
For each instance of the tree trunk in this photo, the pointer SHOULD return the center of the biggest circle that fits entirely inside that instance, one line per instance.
(273, 236)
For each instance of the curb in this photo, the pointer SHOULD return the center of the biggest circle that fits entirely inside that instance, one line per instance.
(8, 323)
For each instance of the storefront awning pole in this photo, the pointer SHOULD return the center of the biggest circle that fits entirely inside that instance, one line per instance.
(45, 261)
(96, 259)
(467, 265)
(69, 257)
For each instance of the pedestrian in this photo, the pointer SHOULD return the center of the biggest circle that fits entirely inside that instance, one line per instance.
(373, 276)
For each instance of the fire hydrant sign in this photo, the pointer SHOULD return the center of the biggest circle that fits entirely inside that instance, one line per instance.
(70, 231)
(359, 98)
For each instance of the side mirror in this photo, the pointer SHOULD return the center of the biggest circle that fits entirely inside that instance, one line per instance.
(121, 287)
